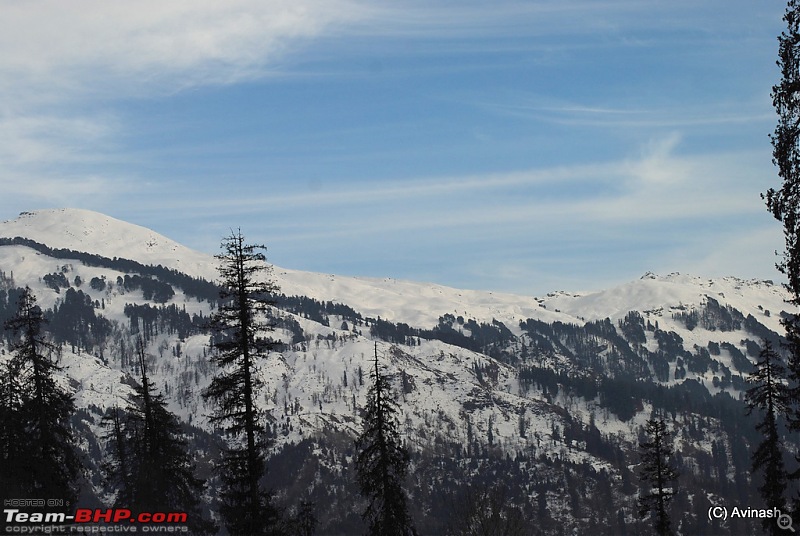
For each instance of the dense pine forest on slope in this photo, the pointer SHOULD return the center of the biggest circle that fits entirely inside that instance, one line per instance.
(530, 422)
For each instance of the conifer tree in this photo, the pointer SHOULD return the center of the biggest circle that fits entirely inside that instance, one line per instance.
(769, 395)
(784, 203)
(12, 429)
(240, 341)
(43, 462)
(150, 457)
(657, 476)
(116, 466)
(382, 461)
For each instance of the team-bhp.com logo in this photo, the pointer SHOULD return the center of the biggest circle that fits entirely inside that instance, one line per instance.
(94, 515)
(119, 515)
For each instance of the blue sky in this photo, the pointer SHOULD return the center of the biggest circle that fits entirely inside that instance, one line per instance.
(512, 146)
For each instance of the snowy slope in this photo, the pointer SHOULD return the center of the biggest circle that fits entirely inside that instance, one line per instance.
(92, 232)
(659, 294)
(417, 304)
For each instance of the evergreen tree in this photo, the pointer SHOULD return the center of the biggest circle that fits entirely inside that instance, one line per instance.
(116, 466)
(240, 325)
(784, 203)
(382, 461)
(769, 395)
(150, 461)
(42, 461)
(12, 429)
(656, 475)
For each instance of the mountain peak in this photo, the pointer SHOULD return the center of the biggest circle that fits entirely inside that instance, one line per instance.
(92, 232)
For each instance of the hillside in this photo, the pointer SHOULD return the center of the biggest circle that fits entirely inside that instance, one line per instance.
(550, 392)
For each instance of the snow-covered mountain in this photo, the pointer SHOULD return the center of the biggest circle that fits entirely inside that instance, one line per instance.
(417, 304)
(560, 383)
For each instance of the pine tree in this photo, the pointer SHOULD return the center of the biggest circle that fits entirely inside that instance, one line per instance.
(38, 445)
(656, 475)
(784, 203)
(382, 461)
(12, 429)
(116, 465)
(240, 326)
(769, 395)
(150, 456)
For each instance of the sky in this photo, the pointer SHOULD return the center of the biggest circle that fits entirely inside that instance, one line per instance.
(515, 146)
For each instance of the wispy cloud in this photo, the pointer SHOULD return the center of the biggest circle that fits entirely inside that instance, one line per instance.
(95, 46)
(90, 45)
(66, 70)
(64, 67)
(638, 113)
(659, 186)
(543, 17)
(36, 139)
(48, 160)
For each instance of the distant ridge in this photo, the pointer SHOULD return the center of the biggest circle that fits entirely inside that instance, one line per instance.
(418, 304)
(93, 232)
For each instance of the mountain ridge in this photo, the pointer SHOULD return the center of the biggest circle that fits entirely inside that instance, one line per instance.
(550, 392)
(79, 230)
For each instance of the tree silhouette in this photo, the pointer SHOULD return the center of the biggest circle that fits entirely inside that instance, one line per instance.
(39, 455)
(13, 439)
(771, 396)
(382, 461)
(240, 325)
(784, 203)
(656, 474)
(150, 461)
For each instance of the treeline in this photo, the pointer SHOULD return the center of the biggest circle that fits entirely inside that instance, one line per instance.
(712, 317)
(195, 287)
(318, 311)
(8, 307)
(152, 289)
(625, 396)
(619, 351)
(149, 321)
(489, 339)
(74, 321)
(595, 346)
